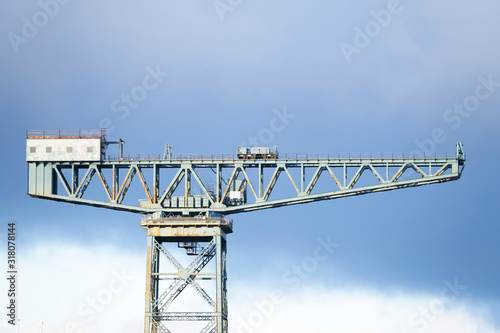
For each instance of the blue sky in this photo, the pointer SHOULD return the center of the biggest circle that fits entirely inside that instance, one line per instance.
(220, 79)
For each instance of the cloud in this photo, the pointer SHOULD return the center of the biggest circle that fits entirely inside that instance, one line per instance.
(79, 288)
(74, 288)
(353, 311)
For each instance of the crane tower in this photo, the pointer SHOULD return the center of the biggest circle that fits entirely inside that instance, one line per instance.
(63, 163)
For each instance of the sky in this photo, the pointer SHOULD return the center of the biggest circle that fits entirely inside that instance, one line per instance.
(208, 76)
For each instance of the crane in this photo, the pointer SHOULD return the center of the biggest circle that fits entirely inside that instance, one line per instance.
(63, 163)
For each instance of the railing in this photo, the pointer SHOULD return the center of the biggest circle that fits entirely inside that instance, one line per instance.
(142, 157)
(290, 156)
(66, 134)
(206, 157)
(364, 156)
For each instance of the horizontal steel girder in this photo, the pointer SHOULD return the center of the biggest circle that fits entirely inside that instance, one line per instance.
(184, 316)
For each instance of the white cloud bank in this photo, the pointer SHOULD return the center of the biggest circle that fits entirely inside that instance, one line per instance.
(73, 288)
(78, 289)
(355, 311)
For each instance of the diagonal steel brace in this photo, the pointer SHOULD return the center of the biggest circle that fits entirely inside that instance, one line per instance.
(197, 265)
(179, 267)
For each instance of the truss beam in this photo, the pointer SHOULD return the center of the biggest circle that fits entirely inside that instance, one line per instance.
(346, 174)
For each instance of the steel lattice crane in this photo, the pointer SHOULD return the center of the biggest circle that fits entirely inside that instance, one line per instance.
(62, 165)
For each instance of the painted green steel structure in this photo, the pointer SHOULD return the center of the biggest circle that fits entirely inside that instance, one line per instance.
(249, 185)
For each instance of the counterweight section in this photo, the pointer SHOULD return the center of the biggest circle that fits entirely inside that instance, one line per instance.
(42, 179)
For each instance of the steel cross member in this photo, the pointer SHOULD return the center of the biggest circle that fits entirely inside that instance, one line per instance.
(174, 230)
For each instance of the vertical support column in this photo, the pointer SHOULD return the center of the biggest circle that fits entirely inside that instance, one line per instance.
(302, 178)
(261, 181)
(221, 303)
(345, 175)
(156, 183)
(187, 186)
(387, 172)
(74, 179)
(151, 284)
(218, 175)
(116, 186)
(32, 178)
(154, 275)
(50, 186)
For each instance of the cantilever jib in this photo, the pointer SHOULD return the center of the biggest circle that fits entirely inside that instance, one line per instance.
(61, 166)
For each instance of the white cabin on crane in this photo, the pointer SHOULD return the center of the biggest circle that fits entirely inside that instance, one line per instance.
(65, 145)
(46, 147)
